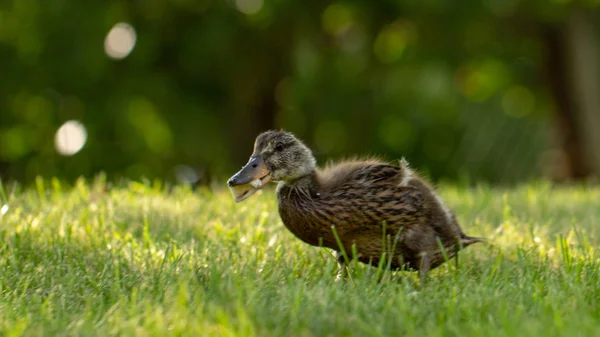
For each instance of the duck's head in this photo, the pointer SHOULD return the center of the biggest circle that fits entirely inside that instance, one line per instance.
(277, 156)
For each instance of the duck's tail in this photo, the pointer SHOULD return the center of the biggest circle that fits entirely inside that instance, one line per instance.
(466, 240)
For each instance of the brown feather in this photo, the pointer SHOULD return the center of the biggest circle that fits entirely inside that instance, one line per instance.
(358, 198)
(378, 208)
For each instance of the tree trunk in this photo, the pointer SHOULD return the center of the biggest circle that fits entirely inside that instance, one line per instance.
(584, 68)
(570, 143)
(573, 69)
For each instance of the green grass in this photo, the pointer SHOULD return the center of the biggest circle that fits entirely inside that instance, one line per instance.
(138, 260)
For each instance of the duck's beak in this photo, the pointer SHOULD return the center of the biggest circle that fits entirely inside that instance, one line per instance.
(251, 178)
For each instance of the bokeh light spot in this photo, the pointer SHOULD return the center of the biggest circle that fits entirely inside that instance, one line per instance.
(479, 81)
(434, 83)
(119, 41)
(307, 59)
(518, 102)
(15, 142)
(249, 7)
(337, 18)
(392, 40)
(185, 174)
(70, 138)
(353, 39)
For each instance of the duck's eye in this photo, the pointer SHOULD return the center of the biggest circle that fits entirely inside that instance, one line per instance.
(279, 147)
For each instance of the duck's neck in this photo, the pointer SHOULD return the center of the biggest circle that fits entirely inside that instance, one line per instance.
(308, 183)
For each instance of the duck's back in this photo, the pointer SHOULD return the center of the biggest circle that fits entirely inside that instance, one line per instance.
(352, 196)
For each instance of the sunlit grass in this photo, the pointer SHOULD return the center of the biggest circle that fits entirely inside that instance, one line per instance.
(143, 259)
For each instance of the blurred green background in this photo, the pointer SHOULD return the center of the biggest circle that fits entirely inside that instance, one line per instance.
(492, 90)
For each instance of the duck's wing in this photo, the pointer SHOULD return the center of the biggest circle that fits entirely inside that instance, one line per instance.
(372, 194)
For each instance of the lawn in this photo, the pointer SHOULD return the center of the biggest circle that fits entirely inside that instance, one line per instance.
(146, 260)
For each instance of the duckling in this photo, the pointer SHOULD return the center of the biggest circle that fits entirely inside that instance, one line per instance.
(347, 206)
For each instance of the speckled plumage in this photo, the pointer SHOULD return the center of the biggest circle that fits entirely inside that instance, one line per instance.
(360, 203)
(361, 198)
